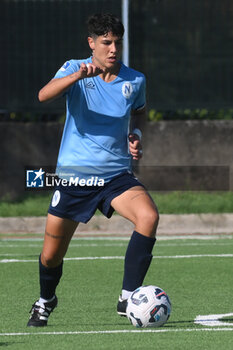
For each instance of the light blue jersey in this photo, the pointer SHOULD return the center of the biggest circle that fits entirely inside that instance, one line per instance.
(95, 135)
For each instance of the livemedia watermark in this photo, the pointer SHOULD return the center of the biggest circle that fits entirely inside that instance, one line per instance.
(39, 178)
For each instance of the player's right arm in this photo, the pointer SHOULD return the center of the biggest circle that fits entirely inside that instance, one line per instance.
(58, 86)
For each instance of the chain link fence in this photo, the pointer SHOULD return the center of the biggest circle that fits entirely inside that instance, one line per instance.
(183, 47)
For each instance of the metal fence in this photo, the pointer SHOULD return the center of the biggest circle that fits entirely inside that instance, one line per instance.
(183, 47)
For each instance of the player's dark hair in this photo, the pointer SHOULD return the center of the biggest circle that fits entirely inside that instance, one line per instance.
(101, 24)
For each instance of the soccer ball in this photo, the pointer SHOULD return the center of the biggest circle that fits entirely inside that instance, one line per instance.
(148, 306)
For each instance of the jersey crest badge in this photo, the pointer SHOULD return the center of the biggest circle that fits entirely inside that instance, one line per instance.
(127, 89)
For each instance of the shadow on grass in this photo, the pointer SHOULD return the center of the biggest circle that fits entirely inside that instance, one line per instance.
(182, 323)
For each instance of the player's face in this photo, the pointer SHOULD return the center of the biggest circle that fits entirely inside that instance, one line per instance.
(106, 50)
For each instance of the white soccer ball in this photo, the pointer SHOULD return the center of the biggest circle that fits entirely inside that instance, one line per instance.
(148, 306)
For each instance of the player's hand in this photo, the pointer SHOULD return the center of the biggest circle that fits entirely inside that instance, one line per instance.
(135, 146)
(89, 70)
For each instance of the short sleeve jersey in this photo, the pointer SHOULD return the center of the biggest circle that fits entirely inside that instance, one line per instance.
(95, 135)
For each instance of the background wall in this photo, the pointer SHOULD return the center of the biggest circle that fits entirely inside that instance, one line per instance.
(188, 155)
(25, 145)
(192, 155)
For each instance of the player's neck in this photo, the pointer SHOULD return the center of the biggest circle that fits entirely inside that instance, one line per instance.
(109, 74)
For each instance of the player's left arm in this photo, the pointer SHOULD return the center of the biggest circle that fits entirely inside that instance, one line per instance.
(138, 121)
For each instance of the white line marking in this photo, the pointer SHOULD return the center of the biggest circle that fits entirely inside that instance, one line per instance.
(122, 257)
(6, 261)
(126, 238)
(12, 254)
(124, 331)
(80, 245)
(20, 245)
(209, 244)
(71, 245)
(213, 320)
(195, 256)
(96, 258)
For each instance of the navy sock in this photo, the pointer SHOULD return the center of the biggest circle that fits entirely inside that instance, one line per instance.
(137, 260)
(49, 279)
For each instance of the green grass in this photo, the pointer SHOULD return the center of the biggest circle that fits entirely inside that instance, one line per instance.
(36, 204)
(89, 290)
(194, 202)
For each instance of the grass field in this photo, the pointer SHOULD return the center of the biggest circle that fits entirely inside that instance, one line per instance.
(36, 204)
(196, 274)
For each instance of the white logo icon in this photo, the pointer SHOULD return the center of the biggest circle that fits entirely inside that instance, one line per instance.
(127, 89)
(65, 66)
(35, 178)
(56, 198)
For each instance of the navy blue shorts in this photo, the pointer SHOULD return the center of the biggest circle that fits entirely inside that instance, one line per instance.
(79, 203)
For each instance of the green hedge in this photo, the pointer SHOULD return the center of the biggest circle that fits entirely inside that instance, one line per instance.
(190, 114)
(153, 115)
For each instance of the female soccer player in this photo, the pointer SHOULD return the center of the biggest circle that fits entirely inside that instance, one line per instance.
(102, 134)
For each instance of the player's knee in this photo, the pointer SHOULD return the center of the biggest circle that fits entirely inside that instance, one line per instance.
(50, 260)
(149, 219)
(152, 219)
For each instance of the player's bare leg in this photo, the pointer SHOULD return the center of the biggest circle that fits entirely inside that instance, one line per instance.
(137, 206)
(58, 234)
